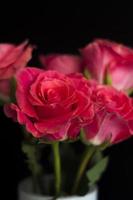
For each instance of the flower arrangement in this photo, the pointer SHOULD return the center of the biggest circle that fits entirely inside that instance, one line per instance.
(80, 99)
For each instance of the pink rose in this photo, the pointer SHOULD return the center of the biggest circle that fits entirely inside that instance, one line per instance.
(51, 105)
(103, 57)
(114, 116)
(62, 63)
(12, 59)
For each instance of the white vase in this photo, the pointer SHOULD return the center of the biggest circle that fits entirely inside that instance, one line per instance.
(25, 193)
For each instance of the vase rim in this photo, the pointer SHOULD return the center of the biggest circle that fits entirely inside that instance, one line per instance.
(25, 182)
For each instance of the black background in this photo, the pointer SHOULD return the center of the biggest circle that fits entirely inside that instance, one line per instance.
(65, 29)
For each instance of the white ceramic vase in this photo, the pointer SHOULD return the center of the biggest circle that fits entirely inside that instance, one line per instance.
(25, 193)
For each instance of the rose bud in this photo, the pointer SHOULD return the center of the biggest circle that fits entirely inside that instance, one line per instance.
(12, 59)
(106, 59)
(64, 63)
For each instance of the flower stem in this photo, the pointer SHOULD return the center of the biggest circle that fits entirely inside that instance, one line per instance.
(89, 152)
(57, 167)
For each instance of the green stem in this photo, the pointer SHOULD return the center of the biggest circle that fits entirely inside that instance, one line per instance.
(57, 167)
(89, 152)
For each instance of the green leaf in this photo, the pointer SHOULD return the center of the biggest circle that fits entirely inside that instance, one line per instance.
(4, 99)
(104, 145)
(87, 73)
(32, 157)
(108, 79)
(97, 157)
(94, 174)
(130, 92)
(13, 85)
(11, 98)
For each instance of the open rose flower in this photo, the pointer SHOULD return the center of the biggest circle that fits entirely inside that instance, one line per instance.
(103, 58)
(12, 59)
(113, 121)
(62, 63)
(51, 105)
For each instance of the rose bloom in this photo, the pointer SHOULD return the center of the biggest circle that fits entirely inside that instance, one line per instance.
(51, 105)
(104, 58)
(12, 59)
(113, 121)
(64, 63)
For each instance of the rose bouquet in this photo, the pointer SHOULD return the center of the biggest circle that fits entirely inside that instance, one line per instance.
(77, 105)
